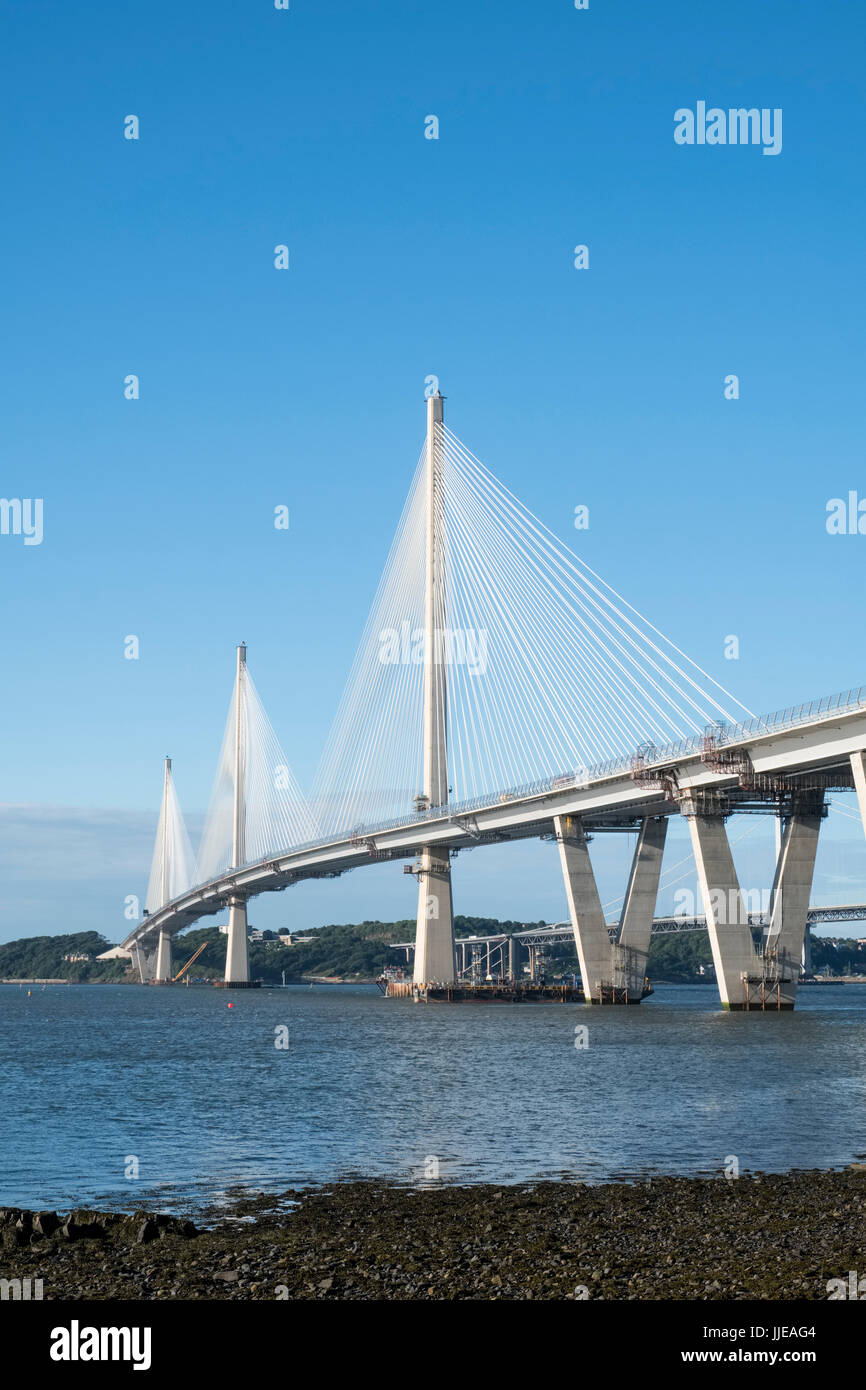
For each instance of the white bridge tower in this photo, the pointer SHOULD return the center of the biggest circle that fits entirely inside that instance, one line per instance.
(434, 934)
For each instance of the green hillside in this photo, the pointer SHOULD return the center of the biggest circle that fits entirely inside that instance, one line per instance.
(349, 951)
(361, 951)
(41, 958)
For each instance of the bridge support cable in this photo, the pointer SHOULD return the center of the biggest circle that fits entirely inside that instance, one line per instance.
(372, 764)
(565, 673)
(256, 808)
(171, 871)
(549, 670)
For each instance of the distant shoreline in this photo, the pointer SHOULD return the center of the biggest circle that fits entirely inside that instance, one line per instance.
(371, 980)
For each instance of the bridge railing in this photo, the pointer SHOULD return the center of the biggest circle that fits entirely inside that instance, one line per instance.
(846, 702)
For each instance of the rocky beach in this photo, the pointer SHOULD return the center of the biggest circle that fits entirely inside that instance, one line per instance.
(760, 1236)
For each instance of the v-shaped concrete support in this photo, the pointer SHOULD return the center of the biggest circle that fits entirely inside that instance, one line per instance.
(612, 972)
(591, 936)
(639, 904)
(858, 767)
(734, 955)
(792, 888)
(747, 979)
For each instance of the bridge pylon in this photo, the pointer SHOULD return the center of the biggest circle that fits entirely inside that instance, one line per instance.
(434, 932)
(237, 971)
(162, 970)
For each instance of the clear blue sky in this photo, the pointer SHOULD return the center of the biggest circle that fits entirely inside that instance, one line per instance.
(408, 257)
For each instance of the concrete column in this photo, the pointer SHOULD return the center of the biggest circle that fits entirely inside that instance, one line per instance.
(237, 945)
(639, 903)
(163, 957)
(162, 966)
(146, 963)
(434, 931)
(858, 767)
(792, 887)
(434, 939)
(727, 917)
(237, 949)
(806, 957)
(584, 905)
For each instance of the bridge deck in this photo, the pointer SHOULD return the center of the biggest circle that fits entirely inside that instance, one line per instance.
(818, 738)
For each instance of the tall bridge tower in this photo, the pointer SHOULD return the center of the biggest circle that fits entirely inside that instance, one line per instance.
(434, 933)
(162, 971)
(237, 949)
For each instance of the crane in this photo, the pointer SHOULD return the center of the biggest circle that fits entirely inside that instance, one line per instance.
(193, 957)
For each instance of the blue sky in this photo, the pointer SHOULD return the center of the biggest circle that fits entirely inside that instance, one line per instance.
(408, 257)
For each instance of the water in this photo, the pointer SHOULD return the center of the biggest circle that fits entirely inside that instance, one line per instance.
(201, 1096)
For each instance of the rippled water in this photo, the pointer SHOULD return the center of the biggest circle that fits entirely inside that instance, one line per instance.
(201, 1096)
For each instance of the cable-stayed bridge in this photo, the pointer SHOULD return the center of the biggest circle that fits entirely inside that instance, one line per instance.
(502, 689)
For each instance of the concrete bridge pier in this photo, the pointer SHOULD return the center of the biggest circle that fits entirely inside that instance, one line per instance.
(806, 956)
(162, 969)
(434, 930)
(785, 945)
(144, 962)
(858, 767)
(237, 949)
(734, 955)
(612, 972)
(748, 979)
(639, 907)
(591, 937)
(513, 958)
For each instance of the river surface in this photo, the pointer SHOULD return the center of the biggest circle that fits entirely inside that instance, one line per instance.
(120, 1094)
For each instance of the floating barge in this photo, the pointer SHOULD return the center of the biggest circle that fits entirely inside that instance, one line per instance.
(495, 992)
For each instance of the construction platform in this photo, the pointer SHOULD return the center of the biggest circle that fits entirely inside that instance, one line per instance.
(496, 993)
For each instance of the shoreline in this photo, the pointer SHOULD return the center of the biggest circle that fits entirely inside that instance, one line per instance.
(372, 980)
(759, 1236)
